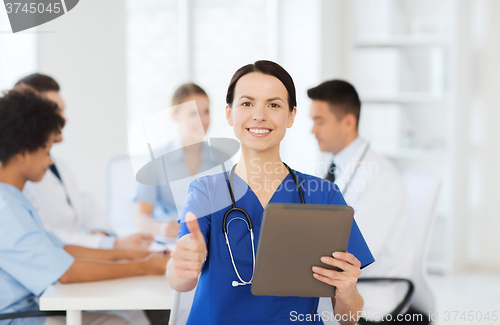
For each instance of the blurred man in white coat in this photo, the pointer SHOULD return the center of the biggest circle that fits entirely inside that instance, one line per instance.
(64, 208)
(370, 184)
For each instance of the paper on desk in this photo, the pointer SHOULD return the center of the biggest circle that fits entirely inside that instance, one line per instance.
(161, 243)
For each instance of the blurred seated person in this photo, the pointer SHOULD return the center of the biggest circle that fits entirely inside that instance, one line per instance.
(64, 208)
(157, 212)
(371, 184)
(32, 258)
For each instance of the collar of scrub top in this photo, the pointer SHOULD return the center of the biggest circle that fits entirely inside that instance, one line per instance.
(14, 191)
(233, 201)
(248, 222)
(347, 162)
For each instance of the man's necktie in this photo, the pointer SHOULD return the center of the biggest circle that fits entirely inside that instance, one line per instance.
(54, 170)
(330, 176)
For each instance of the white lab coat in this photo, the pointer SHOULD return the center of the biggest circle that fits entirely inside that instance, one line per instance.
(381, 209)
(71, 223)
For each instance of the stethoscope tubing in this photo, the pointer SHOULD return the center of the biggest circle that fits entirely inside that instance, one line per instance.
(346, 187)
(248, 221)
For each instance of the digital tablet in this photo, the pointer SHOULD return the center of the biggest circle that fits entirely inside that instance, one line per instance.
(292, 240)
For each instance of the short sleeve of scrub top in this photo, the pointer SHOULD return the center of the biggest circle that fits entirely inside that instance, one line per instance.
(216, 300)
(149, 193)
(197, 202)
(29, 254)
(357, 245)
(146, 193)
(160, 196)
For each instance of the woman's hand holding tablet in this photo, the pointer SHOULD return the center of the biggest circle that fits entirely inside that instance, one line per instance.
(345, 281)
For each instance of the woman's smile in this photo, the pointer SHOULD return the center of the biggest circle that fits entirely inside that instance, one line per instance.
(259, 132)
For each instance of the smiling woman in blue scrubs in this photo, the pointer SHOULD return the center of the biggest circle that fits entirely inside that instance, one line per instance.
(261, 105)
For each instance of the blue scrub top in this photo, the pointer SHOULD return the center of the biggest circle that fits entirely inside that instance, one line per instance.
(216, 301)
(161, 195)
(31, 258)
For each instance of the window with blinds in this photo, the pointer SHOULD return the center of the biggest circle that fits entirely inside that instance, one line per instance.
(203, 41)
(18, 53)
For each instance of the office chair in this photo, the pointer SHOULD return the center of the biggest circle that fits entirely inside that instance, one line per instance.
(423, 190)
(120, 185)
(181, 307)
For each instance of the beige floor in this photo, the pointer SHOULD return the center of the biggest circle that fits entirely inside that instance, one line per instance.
(467, 295)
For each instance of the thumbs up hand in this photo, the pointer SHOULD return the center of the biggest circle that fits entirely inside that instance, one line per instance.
(188, 257)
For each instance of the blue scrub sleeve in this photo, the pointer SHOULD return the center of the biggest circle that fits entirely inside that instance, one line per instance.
(146, 193)
(357, 245)
(55, 240)
(28, 253)
(198, 202)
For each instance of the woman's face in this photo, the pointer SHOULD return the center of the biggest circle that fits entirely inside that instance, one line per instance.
(260, 113)
(37, 162)
(193, 122)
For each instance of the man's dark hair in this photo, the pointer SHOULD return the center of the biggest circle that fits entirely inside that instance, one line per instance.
(265, 67)
(26, 122)
(341, 96)
(40, 82)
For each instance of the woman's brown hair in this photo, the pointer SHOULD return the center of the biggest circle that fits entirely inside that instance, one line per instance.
(186, 90)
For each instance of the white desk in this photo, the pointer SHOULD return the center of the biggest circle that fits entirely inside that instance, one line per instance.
(134, 293)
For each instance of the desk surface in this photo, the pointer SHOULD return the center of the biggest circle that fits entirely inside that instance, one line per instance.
(133, 293)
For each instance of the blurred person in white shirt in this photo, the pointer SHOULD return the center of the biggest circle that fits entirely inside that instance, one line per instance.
(371, 184)
(64, 208)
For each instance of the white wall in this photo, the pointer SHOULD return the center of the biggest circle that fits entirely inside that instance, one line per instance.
(226, 35)
(84, 50)
(17, 53)
(336, 30)
(152, 62)
(483, 116)
(300, 53)
(476, 175)
(289, 32)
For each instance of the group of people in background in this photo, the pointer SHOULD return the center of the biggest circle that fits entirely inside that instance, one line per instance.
(50, 229)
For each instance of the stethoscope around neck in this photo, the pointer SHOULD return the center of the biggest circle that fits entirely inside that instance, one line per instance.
(248, 221)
